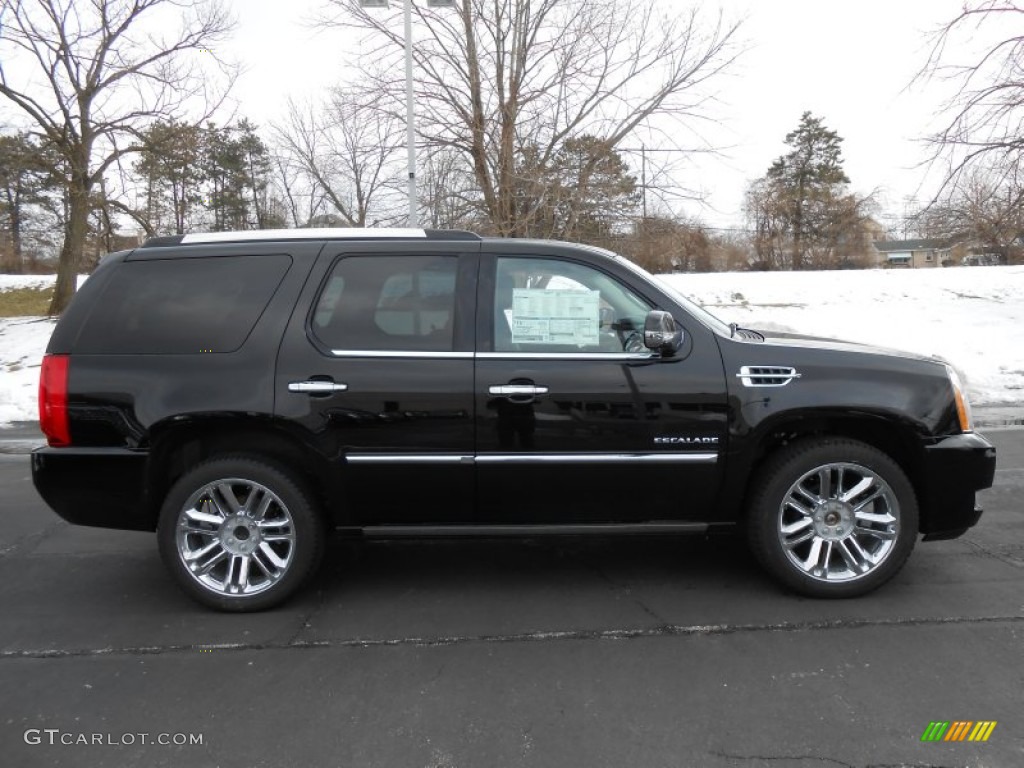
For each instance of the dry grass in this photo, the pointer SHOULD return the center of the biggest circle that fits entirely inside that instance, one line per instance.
(25, 301)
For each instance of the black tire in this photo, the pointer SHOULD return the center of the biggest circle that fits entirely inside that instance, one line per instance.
(835, 551)
(266, 518)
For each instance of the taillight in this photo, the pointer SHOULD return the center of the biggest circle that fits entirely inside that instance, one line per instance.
(53, 400)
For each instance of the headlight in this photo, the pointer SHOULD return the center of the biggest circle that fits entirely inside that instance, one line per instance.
(963, 405)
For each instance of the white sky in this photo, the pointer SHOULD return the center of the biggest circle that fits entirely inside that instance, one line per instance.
(849, 63)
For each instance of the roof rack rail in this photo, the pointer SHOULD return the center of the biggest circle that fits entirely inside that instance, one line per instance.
(317, 233)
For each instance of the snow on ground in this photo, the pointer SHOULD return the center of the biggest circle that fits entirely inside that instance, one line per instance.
(22, 343)
(971, 316)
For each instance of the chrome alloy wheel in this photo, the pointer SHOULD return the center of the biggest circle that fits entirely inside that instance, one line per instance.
(838, 522)
(235, 537)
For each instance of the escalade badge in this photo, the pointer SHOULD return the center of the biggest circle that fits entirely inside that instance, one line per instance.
(686, 440)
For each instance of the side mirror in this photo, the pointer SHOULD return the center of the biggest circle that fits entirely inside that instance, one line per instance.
(661, 333)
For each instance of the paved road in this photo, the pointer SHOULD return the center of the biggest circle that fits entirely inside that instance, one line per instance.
(639, 652)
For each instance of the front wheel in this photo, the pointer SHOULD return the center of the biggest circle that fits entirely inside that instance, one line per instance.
(239, 534)
(832, 517)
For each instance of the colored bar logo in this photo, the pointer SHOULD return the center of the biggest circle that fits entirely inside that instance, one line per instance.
(958, 730)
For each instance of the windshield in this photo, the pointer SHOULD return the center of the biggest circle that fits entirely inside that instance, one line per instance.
(694, 309)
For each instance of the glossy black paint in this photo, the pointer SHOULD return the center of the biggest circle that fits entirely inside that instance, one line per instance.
(399, 411)
(567, 457)
(101, 487)
(603, 412)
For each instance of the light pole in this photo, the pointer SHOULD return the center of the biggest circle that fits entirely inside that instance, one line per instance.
(410, 99)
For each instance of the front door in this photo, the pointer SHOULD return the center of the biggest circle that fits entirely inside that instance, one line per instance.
(377, 367)
(577, 421)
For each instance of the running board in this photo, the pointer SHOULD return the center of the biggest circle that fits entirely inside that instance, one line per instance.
(529, 530)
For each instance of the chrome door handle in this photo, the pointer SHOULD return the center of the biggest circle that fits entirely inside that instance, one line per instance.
(513, 390)
(316, 387)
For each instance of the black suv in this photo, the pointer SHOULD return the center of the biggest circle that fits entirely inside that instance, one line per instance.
(242, 393)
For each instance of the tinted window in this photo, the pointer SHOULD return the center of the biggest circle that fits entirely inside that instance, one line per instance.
(181, 306)
(388, 303)
(547, 305)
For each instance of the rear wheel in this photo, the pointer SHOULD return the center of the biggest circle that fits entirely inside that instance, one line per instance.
(239, 533)
(832, 517)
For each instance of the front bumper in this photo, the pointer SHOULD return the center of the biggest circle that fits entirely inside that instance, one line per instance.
(954, 469)
(101, 487)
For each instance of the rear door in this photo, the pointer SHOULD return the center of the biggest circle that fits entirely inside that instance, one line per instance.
(377, 368)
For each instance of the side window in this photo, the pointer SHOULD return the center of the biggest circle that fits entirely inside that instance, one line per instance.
(388, 303)
(548, 305)
(182, 306)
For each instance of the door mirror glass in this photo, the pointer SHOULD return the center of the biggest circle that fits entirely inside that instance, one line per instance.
(661, 332)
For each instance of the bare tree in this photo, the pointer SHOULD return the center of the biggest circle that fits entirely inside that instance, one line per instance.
(447, 191)
(983, 121)
(667, 244)
(303, 201)
(495, 76)
(985, 209)
(96, 74)
(348, 152)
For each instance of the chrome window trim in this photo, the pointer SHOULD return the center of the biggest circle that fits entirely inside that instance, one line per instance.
(425, 355)
(401, 353)
(619, 356)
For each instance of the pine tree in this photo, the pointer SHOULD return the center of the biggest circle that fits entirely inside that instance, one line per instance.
(801, 208)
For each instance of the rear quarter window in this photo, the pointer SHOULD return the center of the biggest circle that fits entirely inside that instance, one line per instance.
(182, 306)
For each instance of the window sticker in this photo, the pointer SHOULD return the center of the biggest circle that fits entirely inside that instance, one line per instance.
(555, 317)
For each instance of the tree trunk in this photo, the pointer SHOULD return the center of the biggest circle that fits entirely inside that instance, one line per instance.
(74, 243)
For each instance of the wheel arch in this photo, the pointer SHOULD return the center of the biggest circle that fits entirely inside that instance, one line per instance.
(900, 441)
(179, 445)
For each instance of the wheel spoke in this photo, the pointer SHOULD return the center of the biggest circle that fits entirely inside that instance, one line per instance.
(858, 560)
(259, 510)
(857, 490)
(884, 534)
(796, 541)
(230, 504)
(821, 552)
(814, 499)
(238, 575)
(869, 500)
(206, 567)
(275, 560)
(815, 553)
(796, 506)
(856, 564)
(199, 554)
(277, 522)
(203, 517)
(825, 483)
(788, 529)
(875, 519)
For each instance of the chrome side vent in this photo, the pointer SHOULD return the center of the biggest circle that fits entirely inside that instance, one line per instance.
(766, 375)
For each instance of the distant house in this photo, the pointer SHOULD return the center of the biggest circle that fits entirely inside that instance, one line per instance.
(915, 254)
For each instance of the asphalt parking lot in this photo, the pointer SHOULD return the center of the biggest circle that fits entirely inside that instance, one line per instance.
(627, 652)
